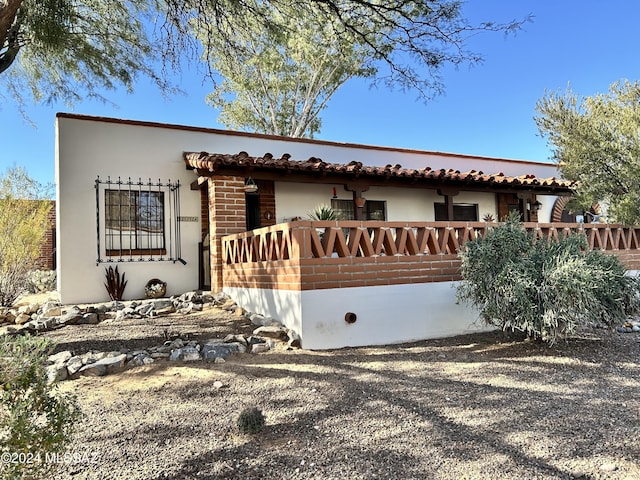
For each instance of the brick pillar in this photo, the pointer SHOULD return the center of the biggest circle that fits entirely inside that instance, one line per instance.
(227, 215)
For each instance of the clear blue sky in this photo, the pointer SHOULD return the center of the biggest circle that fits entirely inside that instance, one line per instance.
(487, 110)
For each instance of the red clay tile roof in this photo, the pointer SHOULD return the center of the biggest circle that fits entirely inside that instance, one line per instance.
(210, 163)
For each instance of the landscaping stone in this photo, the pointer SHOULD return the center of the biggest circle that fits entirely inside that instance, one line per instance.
(88, 319)
(71, 317)
(56, 372)
(272, 331)
(104, 366)
(217, 349)
(185, 354)
(63, 365)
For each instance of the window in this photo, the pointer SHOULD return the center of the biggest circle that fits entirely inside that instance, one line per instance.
(134, 222)
(462, 212)
(137, 221)
(373, 209)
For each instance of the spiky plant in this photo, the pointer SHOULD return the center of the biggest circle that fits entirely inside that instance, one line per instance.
(323, 212)
(251, 420)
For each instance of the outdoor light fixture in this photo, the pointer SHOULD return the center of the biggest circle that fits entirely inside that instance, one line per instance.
(335, 194)
(535, 206)
(250, 186)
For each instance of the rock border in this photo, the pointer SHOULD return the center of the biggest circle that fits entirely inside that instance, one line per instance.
(37, 318)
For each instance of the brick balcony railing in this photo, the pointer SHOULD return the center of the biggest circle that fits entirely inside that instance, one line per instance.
(309, 255)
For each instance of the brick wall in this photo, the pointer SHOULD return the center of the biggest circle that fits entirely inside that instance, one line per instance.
(292, 256)
(47, 258)
(227, 215)
(342, 272)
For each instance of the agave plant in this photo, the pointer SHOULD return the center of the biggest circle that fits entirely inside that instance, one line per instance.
(115, 283)
(323, 212)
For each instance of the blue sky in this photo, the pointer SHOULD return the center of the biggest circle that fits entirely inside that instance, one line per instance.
(487, 109)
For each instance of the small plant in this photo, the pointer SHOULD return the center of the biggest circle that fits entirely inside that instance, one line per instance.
(323, 212)
(35, 419)
(488, 218)
(115, 283)
(251, 420)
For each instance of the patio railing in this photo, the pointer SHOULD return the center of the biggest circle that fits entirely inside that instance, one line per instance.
(306, 239)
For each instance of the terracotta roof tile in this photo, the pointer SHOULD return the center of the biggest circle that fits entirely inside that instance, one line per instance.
(211, 163)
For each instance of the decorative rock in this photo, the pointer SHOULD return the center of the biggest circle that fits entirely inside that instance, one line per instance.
(257, 319)
(185, 354)
(141, 360)
(635, 328)
(22, 318)
(219, 360)
(60, 357)
(56, 373)
(43, 324)
(253, 340)
(88, 319)
(231, 338)
(217, 349)
(29, 309)
(260, 348)
(220, 298)
(71, 317)
(294, 339)
(156, 355)
(144, 309)
(104, 366)
(50, 309)
(218, 384)
(271, 331)
(74, 365)
(177, 343)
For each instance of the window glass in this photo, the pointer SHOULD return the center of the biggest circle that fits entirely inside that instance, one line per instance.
(462, 212)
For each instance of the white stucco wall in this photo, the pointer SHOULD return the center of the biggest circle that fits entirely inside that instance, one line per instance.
(87, 147)
(403, 204)
(385, 314)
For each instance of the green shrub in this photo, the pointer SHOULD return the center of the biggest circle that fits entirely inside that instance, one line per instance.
(35, 419)
(546, 289)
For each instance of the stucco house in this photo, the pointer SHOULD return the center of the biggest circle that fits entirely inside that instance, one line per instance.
(228, 211)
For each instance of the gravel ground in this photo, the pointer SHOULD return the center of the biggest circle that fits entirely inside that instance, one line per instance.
(472, 407)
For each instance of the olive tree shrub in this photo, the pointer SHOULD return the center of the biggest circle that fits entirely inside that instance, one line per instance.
(546, 289)
(36, 421)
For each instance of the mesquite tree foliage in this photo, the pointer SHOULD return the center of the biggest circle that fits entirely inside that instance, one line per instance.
(596, 143)
(546, 289)
(62, 49)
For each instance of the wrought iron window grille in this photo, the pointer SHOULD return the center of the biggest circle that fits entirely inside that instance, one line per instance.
(137, 221)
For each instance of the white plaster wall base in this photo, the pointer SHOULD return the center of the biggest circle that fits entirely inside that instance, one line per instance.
(383, 314)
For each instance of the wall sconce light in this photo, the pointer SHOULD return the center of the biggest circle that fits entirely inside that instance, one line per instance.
(535, 206)
(335, 194)
(360, 201)
(250, 186)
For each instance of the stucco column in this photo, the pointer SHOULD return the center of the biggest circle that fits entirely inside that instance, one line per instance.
(227, 215)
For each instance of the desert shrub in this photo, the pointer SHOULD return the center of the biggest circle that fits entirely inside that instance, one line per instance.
(23, 222)
(35, 419)
(546, 289)
(251, 420)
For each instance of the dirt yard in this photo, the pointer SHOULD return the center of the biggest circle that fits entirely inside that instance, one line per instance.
(473, 407)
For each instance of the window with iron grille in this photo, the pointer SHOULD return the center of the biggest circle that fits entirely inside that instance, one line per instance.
(137, 221)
